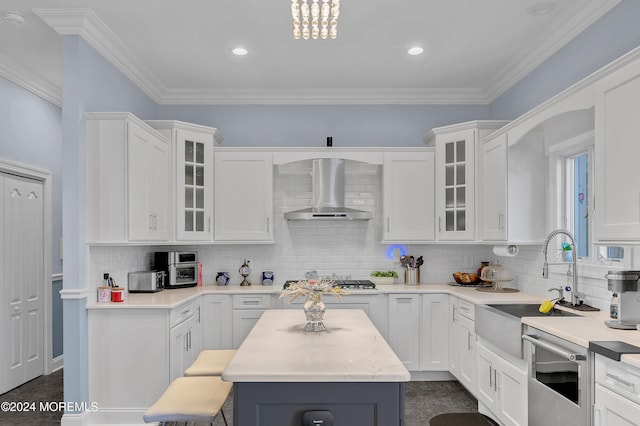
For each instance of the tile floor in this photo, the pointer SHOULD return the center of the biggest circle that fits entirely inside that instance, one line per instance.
(45, 389)
(423, 400)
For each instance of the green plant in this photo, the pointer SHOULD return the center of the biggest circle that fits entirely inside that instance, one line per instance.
(384, 274)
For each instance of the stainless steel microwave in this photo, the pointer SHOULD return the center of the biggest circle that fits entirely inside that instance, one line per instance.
(181, 268)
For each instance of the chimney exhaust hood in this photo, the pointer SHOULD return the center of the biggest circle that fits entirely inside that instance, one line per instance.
(327, 182)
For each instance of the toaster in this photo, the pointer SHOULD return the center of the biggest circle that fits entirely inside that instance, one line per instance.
(146, 281)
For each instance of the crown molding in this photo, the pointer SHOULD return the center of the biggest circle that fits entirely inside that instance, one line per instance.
(325, 97)
(563, 30)
(30, 81)
(85, 23)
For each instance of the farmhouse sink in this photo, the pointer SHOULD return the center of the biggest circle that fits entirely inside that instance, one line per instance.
(501, 325)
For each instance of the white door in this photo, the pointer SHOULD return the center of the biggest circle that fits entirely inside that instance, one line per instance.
(493, 200)
(22, 273)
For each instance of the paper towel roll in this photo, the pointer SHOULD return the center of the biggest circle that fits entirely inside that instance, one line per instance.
(507, 251)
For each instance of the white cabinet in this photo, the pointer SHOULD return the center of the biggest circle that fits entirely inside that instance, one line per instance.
(243, 196)
(434, 333)
(416, 332)
(617, 175)
(617, 393)
(127, 180)
(501, 386)
(456, 176)
(185, 337)
(216, 321)
(408, 192)
(191, 178)
(512, 194)
(247, 310)
(462, 346)
(404, 328)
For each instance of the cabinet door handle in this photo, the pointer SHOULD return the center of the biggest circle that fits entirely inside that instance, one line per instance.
(495, 380)
(151, 222)
(453, 314)
(403, 300)
(621, 381)
(439, 223)
(250, 302)
(500, 216)
(490, 376)
(267, 224)
(388, 226)
(468, 341)
(209, 224)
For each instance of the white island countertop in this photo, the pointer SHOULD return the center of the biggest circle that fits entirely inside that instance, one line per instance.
(351, 350)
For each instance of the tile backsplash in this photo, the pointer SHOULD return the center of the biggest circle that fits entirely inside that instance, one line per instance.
(336, 247)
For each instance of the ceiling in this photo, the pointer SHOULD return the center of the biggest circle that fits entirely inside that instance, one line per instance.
(179, 52)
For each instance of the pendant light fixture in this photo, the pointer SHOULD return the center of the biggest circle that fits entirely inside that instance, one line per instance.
(316, 20)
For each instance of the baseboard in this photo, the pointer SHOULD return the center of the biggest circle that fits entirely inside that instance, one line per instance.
(56, 364)
(105, 417)
(431, 376)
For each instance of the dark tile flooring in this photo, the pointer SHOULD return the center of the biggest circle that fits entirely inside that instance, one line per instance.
(47, 390)
(423, 400)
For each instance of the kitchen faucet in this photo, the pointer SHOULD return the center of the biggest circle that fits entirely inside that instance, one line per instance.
(575, 296)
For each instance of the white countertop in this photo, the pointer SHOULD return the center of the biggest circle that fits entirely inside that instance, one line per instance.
(351, 350)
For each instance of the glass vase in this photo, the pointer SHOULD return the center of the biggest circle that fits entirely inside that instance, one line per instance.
(314, 310)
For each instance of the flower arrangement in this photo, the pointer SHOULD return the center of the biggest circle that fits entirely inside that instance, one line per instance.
(314, 306)
(312, 290)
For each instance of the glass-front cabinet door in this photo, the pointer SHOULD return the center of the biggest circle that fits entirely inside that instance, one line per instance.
(455, 153)
(194, 186)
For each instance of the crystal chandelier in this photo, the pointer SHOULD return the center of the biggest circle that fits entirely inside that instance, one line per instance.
(324, 19)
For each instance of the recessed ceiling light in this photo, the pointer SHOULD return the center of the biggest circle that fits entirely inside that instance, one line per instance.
(13, 17)
(416, 50)
(239, 51)
(542, 8)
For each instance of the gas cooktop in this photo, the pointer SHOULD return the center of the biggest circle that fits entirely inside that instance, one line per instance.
(346, 284)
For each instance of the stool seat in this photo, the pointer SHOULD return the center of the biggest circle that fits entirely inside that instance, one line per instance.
(461, 419)
(210, 362)
(190, 399)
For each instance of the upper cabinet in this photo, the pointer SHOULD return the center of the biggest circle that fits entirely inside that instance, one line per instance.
(243, 196)
(128, 180)
(456, 176)
(617, 175)
(192, 175)
(408, 179)
(512, 189)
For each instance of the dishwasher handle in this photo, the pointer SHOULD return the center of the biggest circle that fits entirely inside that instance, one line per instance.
(533, 339)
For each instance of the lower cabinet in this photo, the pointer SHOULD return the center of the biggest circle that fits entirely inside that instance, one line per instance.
(617, 393)
(416, 333)
(247, 310)
(216, 321)
(501, 386)
(185, 337)
(462, 343)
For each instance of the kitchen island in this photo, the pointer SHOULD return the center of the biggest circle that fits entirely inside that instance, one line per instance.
(281, 371)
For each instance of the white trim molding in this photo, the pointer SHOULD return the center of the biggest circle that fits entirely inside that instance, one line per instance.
(74, 293)
(30, 81)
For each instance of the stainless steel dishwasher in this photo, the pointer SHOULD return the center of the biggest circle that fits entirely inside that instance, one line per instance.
(559, 380)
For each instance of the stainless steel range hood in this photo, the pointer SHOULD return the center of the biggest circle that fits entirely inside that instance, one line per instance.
(327, 181)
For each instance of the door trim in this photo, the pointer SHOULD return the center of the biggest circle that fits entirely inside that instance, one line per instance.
(44, 176)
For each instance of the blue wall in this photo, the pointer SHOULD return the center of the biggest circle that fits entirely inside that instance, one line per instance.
(309, 125)
(31, 133)
(608, 38)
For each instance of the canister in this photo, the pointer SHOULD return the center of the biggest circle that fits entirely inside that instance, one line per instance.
(104, 294)
(117, 294)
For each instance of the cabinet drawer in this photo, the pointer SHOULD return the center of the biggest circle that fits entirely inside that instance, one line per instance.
(182, 313)
(252, 301)
(618, 377)
(467, 309)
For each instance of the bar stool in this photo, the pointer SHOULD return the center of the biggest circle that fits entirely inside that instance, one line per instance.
(190, 399)
(210, 362)
(461, 419)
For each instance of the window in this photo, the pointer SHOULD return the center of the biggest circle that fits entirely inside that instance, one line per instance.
(576, 171)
